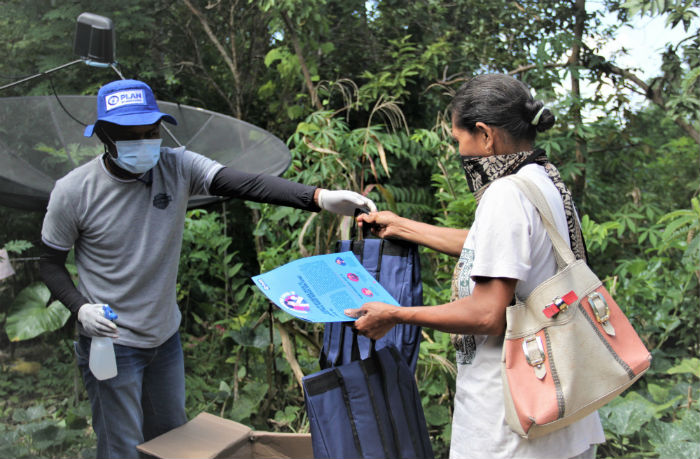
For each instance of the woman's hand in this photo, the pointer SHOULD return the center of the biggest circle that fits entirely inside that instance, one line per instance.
(387, 224)
(384, 224)
(375, 319)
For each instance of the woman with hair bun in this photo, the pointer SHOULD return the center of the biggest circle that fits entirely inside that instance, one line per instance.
(505, 253)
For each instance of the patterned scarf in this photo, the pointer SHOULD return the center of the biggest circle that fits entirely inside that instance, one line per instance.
(482, 171)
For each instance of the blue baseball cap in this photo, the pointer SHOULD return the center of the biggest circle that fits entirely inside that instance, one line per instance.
(127, 103)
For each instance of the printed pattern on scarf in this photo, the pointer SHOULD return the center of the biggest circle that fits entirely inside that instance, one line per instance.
(465, 345)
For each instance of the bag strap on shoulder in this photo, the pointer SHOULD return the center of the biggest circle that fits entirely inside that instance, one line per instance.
(565, 256)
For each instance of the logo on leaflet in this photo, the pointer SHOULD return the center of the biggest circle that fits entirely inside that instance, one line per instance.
(121, 98)
(294, 302)
(263, 285)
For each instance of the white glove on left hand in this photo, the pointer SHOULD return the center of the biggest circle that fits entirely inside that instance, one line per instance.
(92, 316)
(344, 202)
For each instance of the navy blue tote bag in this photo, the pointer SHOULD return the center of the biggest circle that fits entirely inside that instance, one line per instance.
(364, 403)
(367, 408)
(396, 266)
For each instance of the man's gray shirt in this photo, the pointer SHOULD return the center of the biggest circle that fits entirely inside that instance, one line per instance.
(128, 236)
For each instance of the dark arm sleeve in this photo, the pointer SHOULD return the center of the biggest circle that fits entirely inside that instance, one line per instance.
(263, 188)
(52, 267)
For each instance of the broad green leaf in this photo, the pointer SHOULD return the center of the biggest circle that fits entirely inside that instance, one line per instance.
(658, 393)
(224, 388)
(233, 270)
(246, 336)
(29, 317)
(18, 246)
(691, 366)
(664, 432)
(242, 409)
(288, 415)
(273, 55)
(437, 415)
(626, 415)
(683, 450)
(11, 446)
(47, 436)
(32, 413)
(690, 79)
(690, 422)
(240, 294)
(295, 111)
(251, 396)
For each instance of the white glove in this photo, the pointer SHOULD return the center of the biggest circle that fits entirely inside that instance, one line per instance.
(344, 202)
(94, 322)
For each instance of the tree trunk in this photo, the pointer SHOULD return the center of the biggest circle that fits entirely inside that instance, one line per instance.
(574, 65)
(302, 62)
(230, 62)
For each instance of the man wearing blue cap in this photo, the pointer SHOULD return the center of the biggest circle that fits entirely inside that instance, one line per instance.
(124, 213)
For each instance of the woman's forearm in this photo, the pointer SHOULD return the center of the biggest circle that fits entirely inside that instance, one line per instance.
(482, 313)
(446, 240)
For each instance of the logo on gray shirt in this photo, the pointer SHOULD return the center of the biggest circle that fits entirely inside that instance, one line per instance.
(161, 200)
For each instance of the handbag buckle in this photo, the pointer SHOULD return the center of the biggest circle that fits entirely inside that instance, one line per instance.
(560, 303)
(555, 307)
(599, 306)
(601, 310)
(534, 354)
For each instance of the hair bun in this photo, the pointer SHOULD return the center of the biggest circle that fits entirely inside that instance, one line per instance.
(546, 120)
(539, 116)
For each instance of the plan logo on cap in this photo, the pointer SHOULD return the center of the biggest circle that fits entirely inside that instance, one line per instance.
(127, 103)
(121, 98)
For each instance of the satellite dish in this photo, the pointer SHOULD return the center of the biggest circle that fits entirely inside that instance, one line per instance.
(40, 143)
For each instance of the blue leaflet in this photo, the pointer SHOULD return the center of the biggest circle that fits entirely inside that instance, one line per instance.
(320, 288)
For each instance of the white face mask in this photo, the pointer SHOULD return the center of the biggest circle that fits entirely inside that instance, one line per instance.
(137, 156)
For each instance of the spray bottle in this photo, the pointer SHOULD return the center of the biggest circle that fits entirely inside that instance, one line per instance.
(103, 363)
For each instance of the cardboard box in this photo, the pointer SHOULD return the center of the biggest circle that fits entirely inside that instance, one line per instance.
(209, 436)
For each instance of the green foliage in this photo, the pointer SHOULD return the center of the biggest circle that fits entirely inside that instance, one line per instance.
(29, 317)
(678, 10)
(18, 246)
(232, 367)
(663, 418)
(435, 374)
(38, 433)
(42, 415)
(598, 236)
(209, 273)
(405, 61)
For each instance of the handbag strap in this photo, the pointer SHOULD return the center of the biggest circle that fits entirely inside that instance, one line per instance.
(564, 255)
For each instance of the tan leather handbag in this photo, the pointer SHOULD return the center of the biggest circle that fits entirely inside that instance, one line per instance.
(568, 348)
